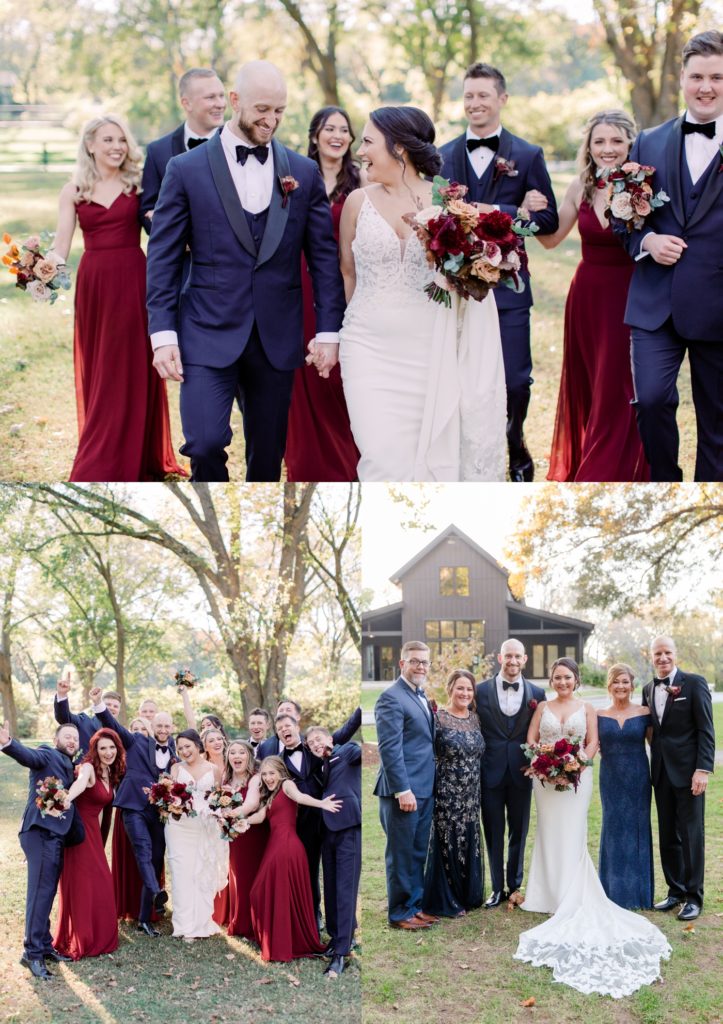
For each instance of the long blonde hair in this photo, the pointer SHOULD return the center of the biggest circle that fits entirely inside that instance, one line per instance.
(586, 166)
(86, 174)
(266, 795)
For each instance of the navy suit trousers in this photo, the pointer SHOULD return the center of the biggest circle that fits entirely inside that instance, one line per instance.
(145, 833)
(341, 861)
(44, 853)
(405, 854)
(506, 801)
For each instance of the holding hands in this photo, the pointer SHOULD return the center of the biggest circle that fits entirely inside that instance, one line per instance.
(323, 356)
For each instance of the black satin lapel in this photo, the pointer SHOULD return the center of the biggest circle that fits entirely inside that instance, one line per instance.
(504, 152)
(651, 704)
(673, 155)
(711, 192)
(496, 709)
(460, 162)
(227, 193)
(178, 144)
(278, 213)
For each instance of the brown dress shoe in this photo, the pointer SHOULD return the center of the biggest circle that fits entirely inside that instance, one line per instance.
(427, 918)
(411, 924)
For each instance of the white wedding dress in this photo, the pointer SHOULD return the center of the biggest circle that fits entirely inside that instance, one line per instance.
(591, 943)
(198, 859)
(424, 385)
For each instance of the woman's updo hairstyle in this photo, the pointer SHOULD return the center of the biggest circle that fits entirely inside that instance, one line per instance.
(567, 663)
(412, 129)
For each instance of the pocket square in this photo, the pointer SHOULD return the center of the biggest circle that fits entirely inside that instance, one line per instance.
(678, 699)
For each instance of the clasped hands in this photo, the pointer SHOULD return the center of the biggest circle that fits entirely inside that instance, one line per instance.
(323, 356)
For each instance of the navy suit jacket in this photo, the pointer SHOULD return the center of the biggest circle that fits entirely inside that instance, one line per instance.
(406, 743)
(231, 285)
(508, 193)
(87, 725)
(685, 739)
(141, 768)
(344, 781)
(158, 154)
(43, 762)
(691, 291)
(271, 746)
(503, 748)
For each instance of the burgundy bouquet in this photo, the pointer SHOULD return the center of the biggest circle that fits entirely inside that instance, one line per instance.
(630, 197)
(51, 797)
(171, 799)
(471, 251)
(184, 677)
(40, 275)
(559, 763)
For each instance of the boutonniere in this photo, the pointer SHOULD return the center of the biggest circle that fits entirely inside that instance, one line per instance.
(720, 152)
(288, 185)
(433, 706)
(504, 168)
(673, 690)
(532, 704)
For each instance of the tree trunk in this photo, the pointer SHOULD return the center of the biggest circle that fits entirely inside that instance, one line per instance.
(10, 714)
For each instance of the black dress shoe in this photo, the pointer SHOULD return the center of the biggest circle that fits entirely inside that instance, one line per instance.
(37, 968)
(160, 900)
(667, 904)
(523, 474)
(58, 957)
(494, 900)
(689, 912)
(144, 926)
(336, 967)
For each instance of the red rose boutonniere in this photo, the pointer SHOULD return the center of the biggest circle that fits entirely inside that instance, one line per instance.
(532, 704)
(504, 168)
(673, 690)
(720, 166)
(288, 185)
(433, 706)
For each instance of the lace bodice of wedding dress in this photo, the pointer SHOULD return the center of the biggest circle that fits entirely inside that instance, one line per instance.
(552, 729)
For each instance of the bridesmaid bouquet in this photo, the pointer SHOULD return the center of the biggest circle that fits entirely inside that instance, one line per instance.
(221, 801)
(559, 763)
(171, 799)
(186, 678)
(51, 797)
(630, 197)
(40, 275)
(471, 251)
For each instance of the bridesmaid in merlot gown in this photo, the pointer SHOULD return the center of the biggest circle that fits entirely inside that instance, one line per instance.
(123, 426)
(282, 908)
(319, 444)
(247, 850)
(596, 436)
(87, 922)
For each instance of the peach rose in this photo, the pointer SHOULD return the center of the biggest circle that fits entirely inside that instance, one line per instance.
(428, 213)
(493, 253)
(621, 206)
(641, 206)
(33, 243)
(484, 271)
(468, 214)
(45, 271)
(631, 167)
(27, 259)
(38, 292)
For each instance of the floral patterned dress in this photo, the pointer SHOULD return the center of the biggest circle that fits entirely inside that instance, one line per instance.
(454, 876)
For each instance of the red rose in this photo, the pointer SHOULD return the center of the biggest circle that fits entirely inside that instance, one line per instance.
(562, 747)
(542, 763)
(496, 225)
(532, 704)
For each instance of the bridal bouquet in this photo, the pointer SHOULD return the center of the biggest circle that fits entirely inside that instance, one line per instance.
(40, 275)
(471, 251)
(186, 678)
(559, 763)
(221, 801)
(171, 799)
(51, 797)
(630, 197)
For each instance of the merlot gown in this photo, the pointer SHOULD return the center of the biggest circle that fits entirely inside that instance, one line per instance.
(319, 443)
(87, 923)
(123, 427)
(596, 437)
(245, 858)
(127, 882)
(282, 908)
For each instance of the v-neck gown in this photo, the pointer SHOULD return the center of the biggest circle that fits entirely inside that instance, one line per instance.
(123, 426)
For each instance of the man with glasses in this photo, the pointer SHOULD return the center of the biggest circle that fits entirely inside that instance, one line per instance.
(405, 785)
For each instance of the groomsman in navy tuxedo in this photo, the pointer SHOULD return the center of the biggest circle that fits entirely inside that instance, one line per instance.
(505, 705)
(682, 757)
(85, 724)
(247, 207)
(405, 786)
(273, 746)
(43, 840)
(146, 758)
(203, 99)
(675, 302)
(341, 840)
(500, 171)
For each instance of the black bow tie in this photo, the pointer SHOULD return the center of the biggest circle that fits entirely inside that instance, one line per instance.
(493, 142)
(243, 153)
(510, 686)
(660, 682)
(192, 143)
(292, 750)
(162, 748)
(707, 129)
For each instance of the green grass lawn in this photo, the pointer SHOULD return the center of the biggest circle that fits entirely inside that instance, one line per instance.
(37, 409)
(215, 980)
(462, 971)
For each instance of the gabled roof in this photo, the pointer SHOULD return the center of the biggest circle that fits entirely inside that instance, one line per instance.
(564, 620)
(450, 531)
(375, 613)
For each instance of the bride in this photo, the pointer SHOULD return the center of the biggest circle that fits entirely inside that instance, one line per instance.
(424, 384)
(590, 943)
(197, 855)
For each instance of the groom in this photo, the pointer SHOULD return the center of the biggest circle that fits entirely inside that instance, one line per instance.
(675, 302)
(505, 705)
(500, 169)
(682, 758)
(247, 208)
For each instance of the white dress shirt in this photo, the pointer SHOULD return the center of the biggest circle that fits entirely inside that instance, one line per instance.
(162, 759)
(660, 695)
(188, 134)
(510, 700)
(699, 150)
(481, 157)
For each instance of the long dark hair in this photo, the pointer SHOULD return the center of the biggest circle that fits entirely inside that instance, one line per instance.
(412, 129)
(348, 177)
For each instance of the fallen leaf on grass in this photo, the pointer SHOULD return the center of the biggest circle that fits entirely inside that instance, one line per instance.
(528, 1002)
(196, 984)
(474, 949)
(294, 980)
(463, 967)
(129, 990)
(689, 928)
(263, 981)
(230, 956)
(168, 974)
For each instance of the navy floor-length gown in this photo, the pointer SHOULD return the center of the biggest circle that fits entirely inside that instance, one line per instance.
(626, 841)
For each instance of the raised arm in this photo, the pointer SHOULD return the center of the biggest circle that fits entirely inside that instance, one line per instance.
(295, 794)
(102, 712)
(345, 732)
(25, 756)
(67, 216)
(187, 709)
(567, 216)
